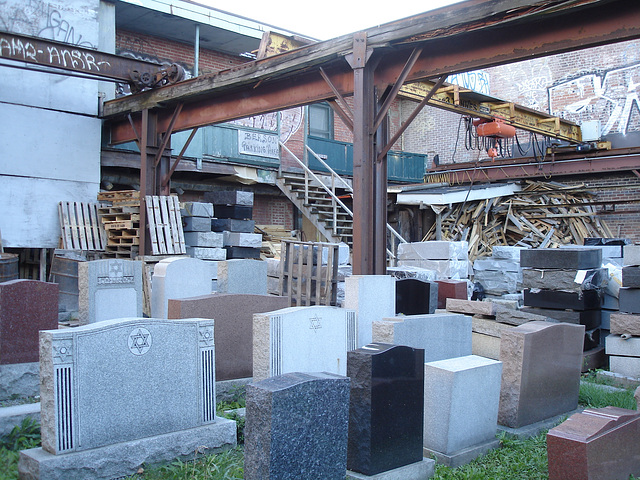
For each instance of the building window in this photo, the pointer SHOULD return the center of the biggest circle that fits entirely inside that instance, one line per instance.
(321, 121)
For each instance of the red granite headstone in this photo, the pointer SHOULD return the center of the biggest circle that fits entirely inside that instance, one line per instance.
(233, 330)
(597, 444)
(26, 307)
(451, 289)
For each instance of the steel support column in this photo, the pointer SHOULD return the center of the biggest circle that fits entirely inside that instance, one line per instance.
(380, 197)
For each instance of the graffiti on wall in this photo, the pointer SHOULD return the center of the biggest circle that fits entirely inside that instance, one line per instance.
(611, 96)
(290, 122)
(478, 81)
(530, 81)
(53, 21)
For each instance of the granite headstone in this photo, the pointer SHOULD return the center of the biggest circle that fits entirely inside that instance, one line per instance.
(233, 315)
(385, 408)
(416, 297)
(296, 427)
(109, 289)
(178, 277)
(372, 297)
(541, 371)
(303, 339)
(242, 276)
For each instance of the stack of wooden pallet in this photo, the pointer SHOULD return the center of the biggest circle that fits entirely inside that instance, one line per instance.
(543, 214)
(121, 220)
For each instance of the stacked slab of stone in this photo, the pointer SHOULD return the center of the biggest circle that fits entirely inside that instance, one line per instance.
(623, 344)
(501, 273)
(565, 284)
(490, 319)
(201, 242)
(448, 259)
(233, 218)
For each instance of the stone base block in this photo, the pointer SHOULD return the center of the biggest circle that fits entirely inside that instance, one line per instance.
(227, 390)
(19, 380)
(534, 429)
(414, 471)
(123, 459)
(207, 253)
(13, 416)
(625, 366)
(464, 456)
(485, 346)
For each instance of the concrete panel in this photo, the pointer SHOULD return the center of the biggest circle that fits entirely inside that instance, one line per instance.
(28, 202)
(45, 144)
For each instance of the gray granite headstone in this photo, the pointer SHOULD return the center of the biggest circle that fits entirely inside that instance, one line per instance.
(233, 314)
(373, 297)
(126, 379)
(541, 372)
(242, 276)
(441, 335)
(178, 277)
(303, 339)
(296, 427)
(109, 289)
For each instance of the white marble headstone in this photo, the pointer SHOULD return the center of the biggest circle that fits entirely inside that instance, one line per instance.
(373, 297)
(302, 339)
(178, 277)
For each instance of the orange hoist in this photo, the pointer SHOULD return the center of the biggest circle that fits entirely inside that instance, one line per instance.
(493, 129)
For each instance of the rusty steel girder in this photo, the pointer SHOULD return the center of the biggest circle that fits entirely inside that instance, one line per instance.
(139, 74)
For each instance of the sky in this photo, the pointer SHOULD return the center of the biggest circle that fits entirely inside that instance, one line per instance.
(325, 19)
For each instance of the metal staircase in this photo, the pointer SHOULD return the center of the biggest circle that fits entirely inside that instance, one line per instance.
(323, 204)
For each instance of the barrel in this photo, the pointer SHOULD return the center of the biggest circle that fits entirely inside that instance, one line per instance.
(9, 267)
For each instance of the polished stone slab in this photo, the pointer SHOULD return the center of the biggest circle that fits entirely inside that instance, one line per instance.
(566, 258)
(461, 397)
(232, 225)
(541, 371)
(629, 299)
(26, 307)
(229, 197)
(596, 444)
(296, 427)
(631, 277)
(441, 335)
(589, 318)
(451, 289)
(196, 224)
(416, 297)
(233, 333)
(372, 297)
(242, 252)
(246, 276)
(560, 300)
(386, 407)
(239, 212)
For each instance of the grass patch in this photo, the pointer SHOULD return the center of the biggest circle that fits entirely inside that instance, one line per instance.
(22, 437)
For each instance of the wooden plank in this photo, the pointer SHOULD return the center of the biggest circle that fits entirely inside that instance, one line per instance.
(165, 230)
(63, 214)
(153, 234)
(309, 274)
(300, 260)
(176, 225)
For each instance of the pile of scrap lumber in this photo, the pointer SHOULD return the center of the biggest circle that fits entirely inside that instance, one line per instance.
(542, 215)
(272, 236)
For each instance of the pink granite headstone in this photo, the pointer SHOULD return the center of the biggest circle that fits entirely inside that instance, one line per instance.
(26, 307)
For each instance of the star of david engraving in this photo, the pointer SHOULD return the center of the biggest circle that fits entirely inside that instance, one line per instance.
(139, 341)
(206, 336)
(62, 353)
(314, 322)
(116, 269)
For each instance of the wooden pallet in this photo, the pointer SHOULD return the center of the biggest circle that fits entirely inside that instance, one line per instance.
(165, 225)
(303, 278)
(80, 226)
(120, 197)
(121, 221)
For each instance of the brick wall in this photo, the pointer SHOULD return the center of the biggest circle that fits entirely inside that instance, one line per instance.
(271, 210)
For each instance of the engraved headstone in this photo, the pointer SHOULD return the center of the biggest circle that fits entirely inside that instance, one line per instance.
(178, 277)
(26, 307)
(385, 407)
(233, 315)
(106, 402)
(109, 289)
(454, 289)
(441, 335)
(296, 427)
(540, 373)
(303, 339)
(416, 297)
(373, 297)
(461, 397)
(598, 444)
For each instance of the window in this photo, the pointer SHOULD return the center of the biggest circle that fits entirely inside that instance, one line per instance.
(321, 120)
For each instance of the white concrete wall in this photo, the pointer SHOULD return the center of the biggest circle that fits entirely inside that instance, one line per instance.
(49, 130)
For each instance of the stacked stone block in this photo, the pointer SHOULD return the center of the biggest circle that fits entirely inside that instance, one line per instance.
(448, 259)
(623, 344)
(566, 285)
(201, 242)
(499, 274)
(234, 213)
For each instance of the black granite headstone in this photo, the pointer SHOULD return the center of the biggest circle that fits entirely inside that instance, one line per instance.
(568, 258)
(416, 297)
(606, 241)
(631, 277)
(629, 300)
(240, 212)
(232, 225)
(386, 409)
(296, 427)
(586, 300)
(589, 318)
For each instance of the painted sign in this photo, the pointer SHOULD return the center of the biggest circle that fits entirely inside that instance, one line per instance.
(256, 143)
